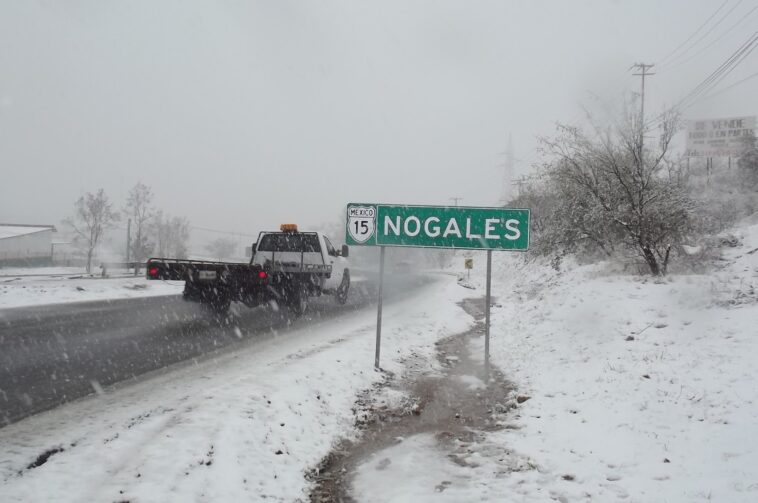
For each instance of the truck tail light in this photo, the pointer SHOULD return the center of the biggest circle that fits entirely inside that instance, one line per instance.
(153, 271)
(262, 274)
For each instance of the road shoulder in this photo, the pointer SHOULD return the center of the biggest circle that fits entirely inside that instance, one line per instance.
(247, 424)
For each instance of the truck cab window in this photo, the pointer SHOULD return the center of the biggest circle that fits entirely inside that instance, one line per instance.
(329, 248)
(290, 242)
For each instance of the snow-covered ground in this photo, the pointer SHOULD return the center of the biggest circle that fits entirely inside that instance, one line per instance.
(630, 389)
(641, 390)
(242, 426)
(41, 271)
(53, 285)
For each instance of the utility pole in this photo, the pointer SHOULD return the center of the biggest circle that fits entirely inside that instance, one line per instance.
(644, 69)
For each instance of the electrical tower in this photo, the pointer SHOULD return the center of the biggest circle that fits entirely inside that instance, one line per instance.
(509, 168)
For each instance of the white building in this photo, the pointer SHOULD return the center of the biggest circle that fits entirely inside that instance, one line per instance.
(26, 244)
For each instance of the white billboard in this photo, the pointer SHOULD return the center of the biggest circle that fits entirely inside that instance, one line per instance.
(718, 137)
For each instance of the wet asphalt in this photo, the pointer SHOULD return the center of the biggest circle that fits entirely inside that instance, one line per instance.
(52, 354)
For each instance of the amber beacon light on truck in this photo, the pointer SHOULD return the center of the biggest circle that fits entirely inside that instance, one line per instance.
(288, 227)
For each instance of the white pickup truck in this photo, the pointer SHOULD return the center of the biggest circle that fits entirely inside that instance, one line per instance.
(287, 267)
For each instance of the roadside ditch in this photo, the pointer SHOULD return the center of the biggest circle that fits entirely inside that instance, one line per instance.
(454, 404)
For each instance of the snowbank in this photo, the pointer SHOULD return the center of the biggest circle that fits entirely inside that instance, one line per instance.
(30, 287)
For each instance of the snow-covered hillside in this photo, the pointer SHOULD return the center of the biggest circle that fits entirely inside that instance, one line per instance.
(641, 389)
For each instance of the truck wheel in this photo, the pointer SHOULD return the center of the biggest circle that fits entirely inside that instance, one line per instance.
(298, 301)
(341, 294)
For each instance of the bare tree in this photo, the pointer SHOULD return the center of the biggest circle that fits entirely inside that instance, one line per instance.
(172, 235)
(221, 248)
(93, 216)
(621, 184)
(564, 220)
(139, 208)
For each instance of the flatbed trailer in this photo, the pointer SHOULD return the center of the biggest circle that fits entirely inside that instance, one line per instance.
(287, 279)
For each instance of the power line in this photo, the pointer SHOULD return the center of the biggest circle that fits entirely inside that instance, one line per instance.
(217, 231)
(721, 72)
(728, 31)
(708, 84)
(722, 91)
(624, 75)
(713, 79)
(205, 229)
(706, 33)
(663, 60)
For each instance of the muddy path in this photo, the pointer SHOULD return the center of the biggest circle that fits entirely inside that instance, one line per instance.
(455, 405)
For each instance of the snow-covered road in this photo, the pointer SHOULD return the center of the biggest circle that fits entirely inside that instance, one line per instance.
(54, 353)
(243, 425)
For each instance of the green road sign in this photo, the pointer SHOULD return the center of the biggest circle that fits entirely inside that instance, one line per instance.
(462, 227)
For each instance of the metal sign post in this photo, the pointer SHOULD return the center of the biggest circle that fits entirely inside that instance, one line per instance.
(488, 302)
(379, 309)
(451, 227)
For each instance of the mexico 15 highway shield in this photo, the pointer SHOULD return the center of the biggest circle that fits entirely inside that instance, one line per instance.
(461, 227)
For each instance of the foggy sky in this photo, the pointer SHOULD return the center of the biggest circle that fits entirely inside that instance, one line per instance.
(241, 115)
